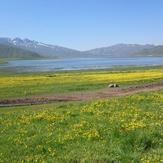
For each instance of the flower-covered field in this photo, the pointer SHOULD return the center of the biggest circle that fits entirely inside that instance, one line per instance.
(18, 85)
(123, 129)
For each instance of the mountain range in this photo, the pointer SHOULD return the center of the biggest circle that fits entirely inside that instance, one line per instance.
(25, 48)
(14, 52)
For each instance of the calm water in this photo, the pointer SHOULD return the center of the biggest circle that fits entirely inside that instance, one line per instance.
(76, 64)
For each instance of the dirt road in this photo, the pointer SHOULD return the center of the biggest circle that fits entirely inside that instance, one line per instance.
(82, 96)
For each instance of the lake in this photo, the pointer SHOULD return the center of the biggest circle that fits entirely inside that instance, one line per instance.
(78, 64)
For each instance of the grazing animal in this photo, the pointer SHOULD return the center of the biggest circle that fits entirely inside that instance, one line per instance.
(114, 85)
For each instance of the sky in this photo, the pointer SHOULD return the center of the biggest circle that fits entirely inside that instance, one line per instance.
(83, 24)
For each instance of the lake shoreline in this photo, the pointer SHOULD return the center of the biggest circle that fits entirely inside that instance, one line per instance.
(78, 64)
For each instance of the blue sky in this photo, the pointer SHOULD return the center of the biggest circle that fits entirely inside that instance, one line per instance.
(83, 24)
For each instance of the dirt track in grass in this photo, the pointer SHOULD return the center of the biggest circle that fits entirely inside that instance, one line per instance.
(82, 96)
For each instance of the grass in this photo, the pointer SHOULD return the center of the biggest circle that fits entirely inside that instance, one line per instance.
(2, 61)
(21, 85)
(123, 129)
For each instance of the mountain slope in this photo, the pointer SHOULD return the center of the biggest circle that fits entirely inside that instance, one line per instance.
(53, 51)
(157, 50)
(43, 49)
(121, 50)
(7, 51)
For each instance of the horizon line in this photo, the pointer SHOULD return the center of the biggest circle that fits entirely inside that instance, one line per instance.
(64, 46)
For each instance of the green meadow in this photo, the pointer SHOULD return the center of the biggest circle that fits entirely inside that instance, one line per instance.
(120, 129)
(124, 129)
(22, 85)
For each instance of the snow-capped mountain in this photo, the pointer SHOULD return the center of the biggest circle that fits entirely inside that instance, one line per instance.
(29, 43)
(43, 49)
(54, 51)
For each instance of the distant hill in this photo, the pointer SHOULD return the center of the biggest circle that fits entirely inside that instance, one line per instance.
(54, 51)
(122, 50)
(155, 51)
(7, 51)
